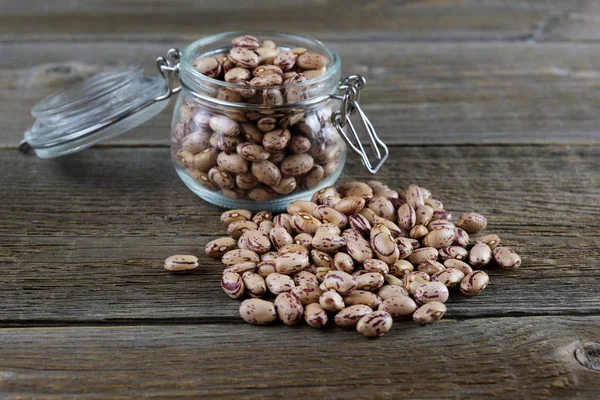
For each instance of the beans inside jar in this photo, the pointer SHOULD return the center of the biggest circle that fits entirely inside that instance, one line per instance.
(258, 154)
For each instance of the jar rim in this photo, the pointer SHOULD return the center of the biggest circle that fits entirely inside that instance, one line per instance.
(188, 73)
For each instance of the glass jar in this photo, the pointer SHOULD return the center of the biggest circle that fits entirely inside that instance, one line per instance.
(232, 144)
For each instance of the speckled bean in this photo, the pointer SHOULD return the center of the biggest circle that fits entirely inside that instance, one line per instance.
(387, 291)
(450, 277)
(358, 247)
(375, 324)
(431, 291)
(349, 316)
(429, 312)
(258, 312)
(218, 247)
(507, 258)
(331, 301)
(474, 283)
(399, 307)
(472, 222)
(181, 263)
(343, 262)
(363, 297)
(290, 263)
(373, 265)
(232, 284)
(315, 316)
(289, 309)
(439, 238)
(422, 254)
(237, 228)
(370, 281)
(237, 256)
(480, 255)
(430, 267)
(453, 252)
(459, 265)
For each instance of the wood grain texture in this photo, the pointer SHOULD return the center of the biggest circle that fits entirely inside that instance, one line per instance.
(517, 358)
(432, 93)
(438, 20)
(85, 238)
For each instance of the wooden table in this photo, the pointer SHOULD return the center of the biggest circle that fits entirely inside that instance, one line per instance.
(492, 104)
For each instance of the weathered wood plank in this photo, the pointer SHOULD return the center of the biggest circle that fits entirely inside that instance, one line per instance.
(83, 238)
(439, 20)
(417, 93)
(521, 358)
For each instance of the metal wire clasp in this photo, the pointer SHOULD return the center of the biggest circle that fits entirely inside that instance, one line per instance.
(169, 69)
(351, 87)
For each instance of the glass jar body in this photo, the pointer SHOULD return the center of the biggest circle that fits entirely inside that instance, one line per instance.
(256, 147)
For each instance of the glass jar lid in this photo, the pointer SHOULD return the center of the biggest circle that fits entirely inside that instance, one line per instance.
(99, 108)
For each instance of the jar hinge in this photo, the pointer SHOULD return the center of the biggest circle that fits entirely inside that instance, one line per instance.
(169, 69)
(351, 87)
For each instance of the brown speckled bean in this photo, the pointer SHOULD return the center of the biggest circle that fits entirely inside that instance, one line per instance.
(285, 60)
(307, 294)
(331, 301)
(208, 66)
(331, 216)
(491, 240)
(358, 247)
(266, 172)
(254, 284)
(406, 216)
(315, 316)
(243, 57)
(429, 312)
(375, 324)
(305, 278)
(340, 281)
(301, 206)
(431, 267)
(453, 252)
(237, 228)
(424, 215)
(218, 247)
(266, 268)
(328, 242)
(474, 283)
(404, 247)
(370, 281)
(258, 312)
(256, 241)
(350, 316)
(383, 244)
(472, 222)
(387, 291)
(382, 207)
(450, 277)
(431, 291)
(235, 215)
(480, 255)
(343, 262)
(304, 223)
(507, 258)
(401, 268)
(362, 297)
(224, 125)
(252, 151)
(297, 164)
(232, 284)
(304, 239)
(459, 265)
(279, 283)
(233, 163)
(414, 197)
(241, 268)
(290, 263)
(237, 256)
(439, 238)
(246, 41)
(289, 309)
(399, 307)
(360, 224)
(221, 178)
(350, 205)
(422, 254)
(373, 265)
(462, 237)
(312, 61)
(181, 263)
